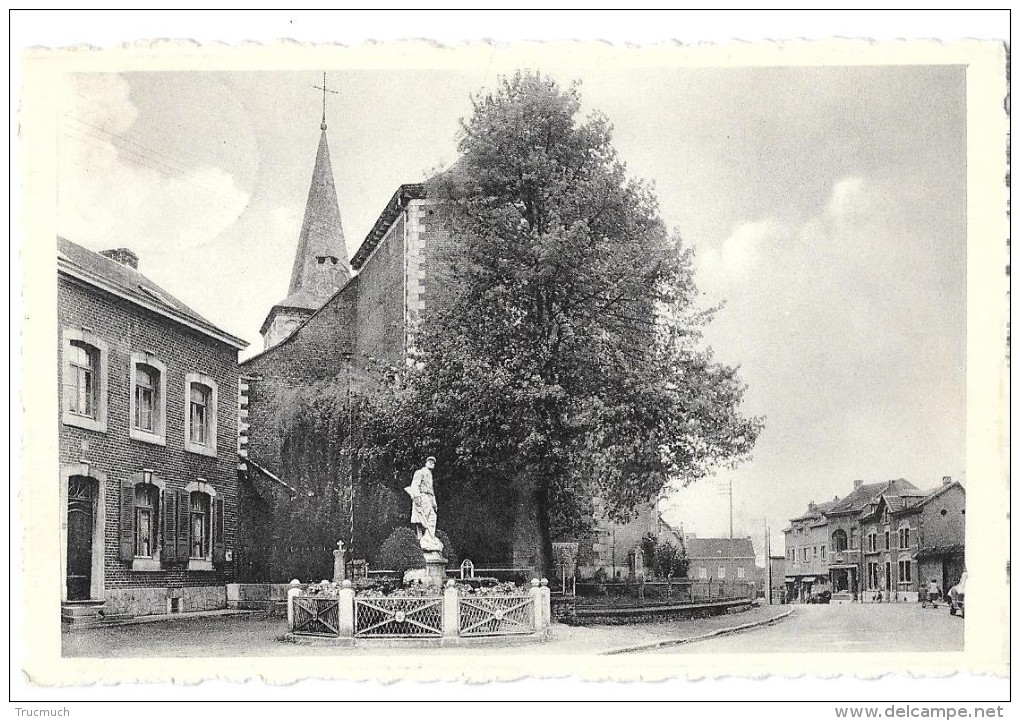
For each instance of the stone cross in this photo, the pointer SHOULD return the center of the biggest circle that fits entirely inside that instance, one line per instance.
(339, 572)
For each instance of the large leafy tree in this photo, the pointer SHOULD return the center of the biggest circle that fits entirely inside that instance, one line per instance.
(561, 359)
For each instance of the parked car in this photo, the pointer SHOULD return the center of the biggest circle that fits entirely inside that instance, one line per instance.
(820, 597)
(956, 596)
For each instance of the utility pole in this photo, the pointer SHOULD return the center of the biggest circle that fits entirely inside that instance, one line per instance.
(727, 489)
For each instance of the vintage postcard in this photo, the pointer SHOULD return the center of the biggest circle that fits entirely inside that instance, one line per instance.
(486, 362)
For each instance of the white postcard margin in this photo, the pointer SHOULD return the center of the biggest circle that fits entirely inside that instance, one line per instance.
(987, 623)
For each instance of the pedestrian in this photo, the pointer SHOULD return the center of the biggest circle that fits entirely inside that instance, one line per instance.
(934, 593)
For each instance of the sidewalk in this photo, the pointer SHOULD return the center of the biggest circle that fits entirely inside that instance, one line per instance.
(240, 636)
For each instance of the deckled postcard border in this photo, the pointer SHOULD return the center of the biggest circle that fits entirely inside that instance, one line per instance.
(987, 623)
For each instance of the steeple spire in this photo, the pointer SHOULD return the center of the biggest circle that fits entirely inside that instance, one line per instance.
(324, 90)
(321, 265)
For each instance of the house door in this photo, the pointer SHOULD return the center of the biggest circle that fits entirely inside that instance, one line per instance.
(80, 515)
(888, 576)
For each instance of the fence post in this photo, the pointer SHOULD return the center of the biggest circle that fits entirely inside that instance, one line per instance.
(294, 590)
(536, 603)
(451, 610)
(346, 603)
(546, 603)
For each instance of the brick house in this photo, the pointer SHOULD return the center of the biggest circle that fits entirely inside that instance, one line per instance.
(721, 559)
(807, 539)
(147, 444)
(931, 539)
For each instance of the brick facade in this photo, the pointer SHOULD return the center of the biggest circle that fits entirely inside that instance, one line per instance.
(112, 457)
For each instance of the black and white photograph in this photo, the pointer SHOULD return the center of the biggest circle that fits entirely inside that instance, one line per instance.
(411, 361)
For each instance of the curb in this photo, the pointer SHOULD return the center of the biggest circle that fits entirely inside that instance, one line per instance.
(157, 618)
(693, 639)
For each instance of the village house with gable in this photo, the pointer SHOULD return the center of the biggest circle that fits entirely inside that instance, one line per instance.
(730, 560)
(147, 444)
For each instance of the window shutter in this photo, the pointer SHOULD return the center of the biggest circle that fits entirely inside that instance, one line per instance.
(169, 551)
(219, 542)
(127, 520)
(183, 525)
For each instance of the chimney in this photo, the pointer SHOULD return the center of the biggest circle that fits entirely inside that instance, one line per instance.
(858, 484)
(946, 480)
(124, 256)
(811, 506)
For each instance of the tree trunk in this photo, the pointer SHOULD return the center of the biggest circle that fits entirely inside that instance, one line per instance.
(531, 540)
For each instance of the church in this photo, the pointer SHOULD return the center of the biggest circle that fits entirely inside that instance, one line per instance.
(339, 319)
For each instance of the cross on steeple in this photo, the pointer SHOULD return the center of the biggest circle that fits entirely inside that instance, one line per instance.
(324, 90)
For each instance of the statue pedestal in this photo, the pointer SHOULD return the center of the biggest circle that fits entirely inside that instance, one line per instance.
(435, 569)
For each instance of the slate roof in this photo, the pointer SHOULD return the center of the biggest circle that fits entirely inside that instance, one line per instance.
(819, 509)
(109, 275)
(861, 496)
(322, 234)
(719, 547)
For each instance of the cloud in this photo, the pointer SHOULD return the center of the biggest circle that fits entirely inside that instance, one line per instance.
(115, 190)
(743, 250)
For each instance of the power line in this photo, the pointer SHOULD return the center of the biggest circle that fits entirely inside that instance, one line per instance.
(122, 140)
(140, 160)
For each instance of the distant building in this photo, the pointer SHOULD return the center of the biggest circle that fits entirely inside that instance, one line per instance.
(885, 541)
(806, 545)
(721, 559)
(147, 444)
(615, 548)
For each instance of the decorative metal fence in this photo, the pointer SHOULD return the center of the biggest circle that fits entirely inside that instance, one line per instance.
(317, 615)
(398, 616)
(496, 615)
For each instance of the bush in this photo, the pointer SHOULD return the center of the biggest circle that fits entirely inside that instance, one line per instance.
(400, 552)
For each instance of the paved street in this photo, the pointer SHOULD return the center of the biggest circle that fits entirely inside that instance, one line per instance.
(879, 627)
(258, 636)
(843, 627)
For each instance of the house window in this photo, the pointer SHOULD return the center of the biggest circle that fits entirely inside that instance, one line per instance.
(200, 414)
(146, 520)
(148, 399)
(839, 540)
(702, 572)
(722, 572)
(83, 380)
(904, 537)
(904, 571)
(872, 542)
(823, 552)
(853, 538)
(200, 397)
(887, 540)
(199, 526)
(146, 393)
(740, 571)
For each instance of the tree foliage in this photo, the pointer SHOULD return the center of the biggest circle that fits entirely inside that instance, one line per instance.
(562, 350)
(561, 357)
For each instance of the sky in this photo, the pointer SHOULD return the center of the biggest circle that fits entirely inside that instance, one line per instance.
(826, 207)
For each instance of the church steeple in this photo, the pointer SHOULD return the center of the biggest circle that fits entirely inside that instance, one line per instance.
(321, 266)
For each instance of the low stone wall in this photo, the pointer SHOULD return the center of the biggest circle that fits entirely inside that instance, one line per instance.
(161, 601)
(578, 615)
(268, 597)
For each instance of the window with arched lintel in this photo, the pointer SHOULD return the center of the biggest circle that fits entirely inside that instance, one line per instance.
(148, 399)
(201, 526)
(839, 541)
(83, 380)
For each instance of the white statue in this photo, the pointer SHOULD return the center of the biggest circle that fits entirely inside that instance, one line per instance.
(423, 507)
